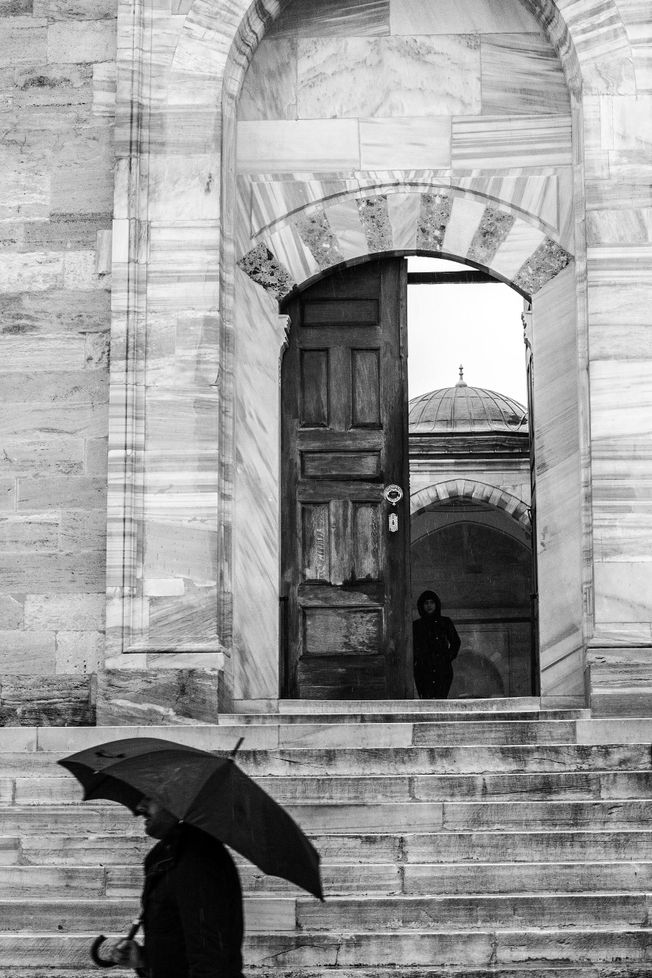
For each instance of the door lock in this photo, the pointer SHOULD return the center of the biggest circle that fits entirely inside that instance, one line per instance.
(393, 494)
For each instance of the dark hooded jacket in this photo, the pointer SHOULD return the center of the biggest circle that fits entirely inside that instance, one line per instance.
(192, 908)
(435, 639)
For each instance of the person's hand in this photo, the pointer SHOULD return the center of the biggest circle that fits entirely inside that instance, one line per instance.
(126, 952)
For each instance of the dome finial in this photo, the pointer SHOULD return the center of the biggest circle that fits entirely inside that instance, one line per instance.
(461, 382)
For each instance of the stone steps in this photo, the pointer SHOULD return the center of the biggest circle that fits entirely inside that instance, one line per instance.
(457, 839)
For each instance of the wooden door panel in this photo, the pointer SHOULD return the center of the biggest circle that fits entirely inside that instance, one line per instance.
(340, 465)
(314, 389)
(365, 388)
(329, 631)
(344, 438)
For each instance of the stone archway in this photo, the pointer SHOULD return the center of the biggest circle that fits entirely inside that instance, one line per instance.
(176, 222)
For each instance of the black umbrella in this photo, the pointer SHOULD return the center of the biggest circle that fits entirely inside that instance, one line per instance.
(203, 789)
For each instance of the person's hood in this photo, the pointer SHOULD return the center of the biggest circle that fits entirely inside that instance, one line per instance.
(433, 597)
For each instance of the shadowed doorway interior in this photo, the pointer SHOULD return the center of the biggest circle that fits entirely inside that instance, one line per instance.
(470, 473)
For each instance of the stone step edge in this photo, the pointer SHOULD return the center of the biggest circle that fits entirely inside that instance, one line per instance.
(344, 898)
(325, 935)
(580, 970)
(67, 739)
(326, 864)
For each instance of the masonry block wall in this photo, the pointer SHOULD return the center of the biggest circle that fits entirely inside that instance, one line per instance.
(57, 93)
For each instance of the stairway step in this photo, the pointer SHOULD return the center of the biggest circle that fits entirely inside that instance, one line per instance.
(470, 912)
(273, 915)
(572, 846)
(448, 879)
(526, 759)
(407, 715)
(638, 969)
(325, 762)
(287, 789)
(382, 817)
(416, 879)
(480, 948)
(62, 740)
(528, 846)
(299, 762)
(263, 914)
(467, 706)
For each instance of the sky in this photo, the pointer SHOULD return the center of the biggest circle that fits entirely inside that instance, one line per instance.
(478, 326)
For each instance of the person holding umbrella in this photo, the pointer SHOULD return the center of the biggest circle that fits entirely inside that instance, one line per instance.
(191, 905)
(195, 803)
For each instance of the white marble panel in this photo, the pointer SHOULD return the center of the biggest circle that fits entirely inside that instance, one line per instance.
(259, 336)
(466, 214)
(558, 484)
(460, 17)
(621, 226)
(621, 403)
(638, 24)
(333, 18)
(305, 145)
(388, 76)
(405, 143)
(627, 123)
(497, 141)
(269, 90)
(521, 74)
(184, 187)
(522, 240)
(403, 212)
(622, 591)
(345, 223)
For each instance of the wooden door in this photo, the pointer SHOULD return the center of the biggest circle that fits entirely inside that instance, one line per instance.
(344, 406)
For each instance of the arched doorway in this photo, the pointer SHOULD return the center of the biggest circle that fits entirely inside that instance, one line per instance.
(347, 555)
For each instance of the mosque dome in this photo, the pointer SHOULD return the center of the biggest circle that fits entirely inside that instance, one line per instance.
(466, 409)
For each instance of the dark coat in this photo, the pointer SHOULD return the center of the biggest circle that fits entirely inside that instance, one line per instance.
(435, 642)
(192, 908)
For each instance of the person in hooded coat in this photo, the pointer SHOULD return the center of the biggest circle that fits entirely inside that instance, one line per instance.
(435, 644)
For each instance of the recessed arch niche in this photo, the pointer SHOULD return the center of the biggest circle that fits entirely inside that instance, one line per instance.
(498, 195)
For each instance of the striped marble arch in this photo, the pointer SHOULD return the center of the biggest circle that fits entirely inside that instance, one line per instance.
(513, 246)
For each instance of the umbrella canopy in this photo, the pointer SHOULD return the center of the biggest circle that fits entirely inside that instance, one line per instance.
(203, 789)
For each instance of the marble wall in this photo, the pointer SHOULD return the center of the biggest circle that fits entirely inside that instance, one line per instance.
(498, 166)
(57, 94)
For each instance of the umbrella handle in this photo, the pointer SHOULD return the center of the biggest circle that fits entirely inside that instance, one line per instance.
(97, 943)
(95, 947)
